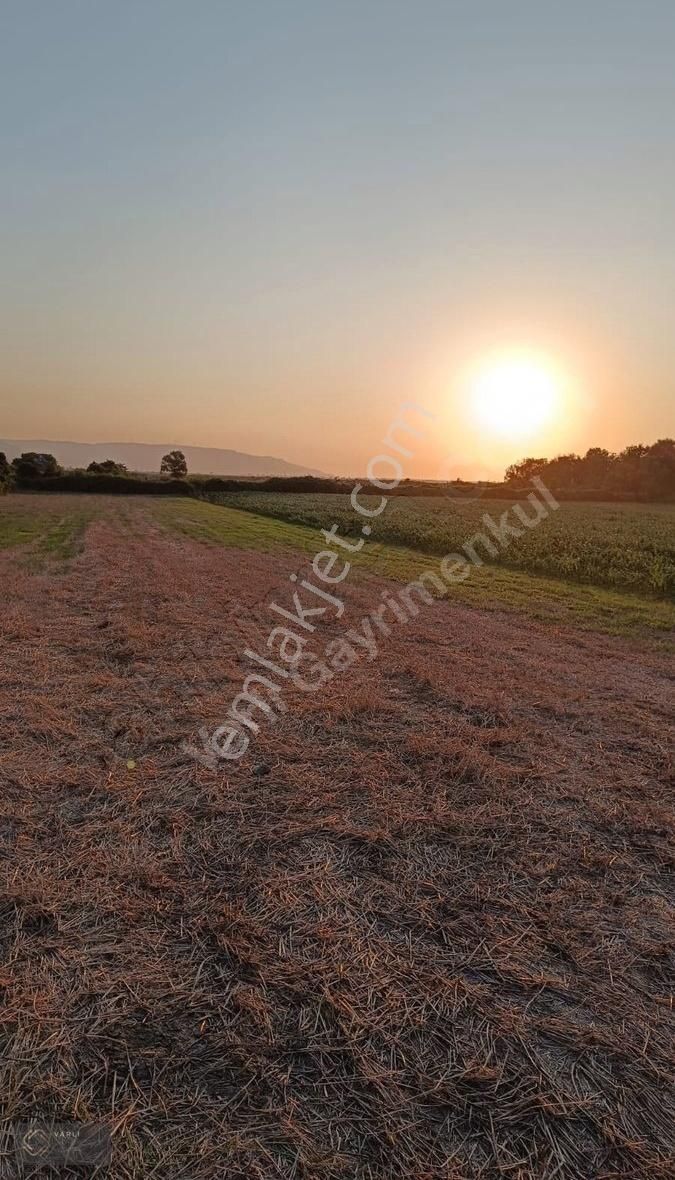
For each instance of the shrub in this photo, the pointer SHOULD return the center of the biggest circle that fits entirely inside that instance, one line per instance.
(126, 485)
(107, 467)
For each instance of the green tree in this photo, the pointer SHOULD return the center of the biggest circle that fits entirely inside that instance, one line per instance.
(35, 465)
(597, 468)
(628, 471)
(5, 474)
(174, 464)
(525, 470)
(565, 472)
(658, 467)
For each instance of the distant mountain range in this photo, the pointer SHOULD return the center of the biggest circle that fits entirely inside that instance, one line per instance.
(148, 457)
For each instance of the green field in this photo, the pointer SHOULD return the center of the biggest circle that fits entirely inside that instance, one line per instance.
(48, 526)
(623, 546)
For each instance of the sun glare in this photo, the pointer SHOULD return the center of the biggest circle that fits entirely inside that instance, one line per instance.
(515, 396)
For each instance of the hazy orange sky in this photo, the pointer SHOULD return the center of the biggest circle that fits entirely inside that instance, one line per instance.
(262, 226)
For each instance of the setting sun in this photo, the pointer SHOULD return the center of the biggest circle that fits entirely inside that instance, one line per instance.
(516, 395)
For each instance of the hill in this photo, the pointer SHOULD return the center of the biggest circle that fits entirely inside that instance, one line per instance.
(148, 456)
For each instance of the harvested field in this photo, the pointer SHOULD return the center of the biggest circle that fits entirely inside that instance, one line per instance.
(423, 930)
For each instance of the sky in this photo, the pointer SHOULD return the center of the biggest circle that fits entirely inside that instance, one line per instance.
(264, 225)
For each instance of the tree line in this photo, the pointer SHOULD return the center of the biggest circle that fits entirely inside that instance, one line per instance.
(637, 473)
(33, 466)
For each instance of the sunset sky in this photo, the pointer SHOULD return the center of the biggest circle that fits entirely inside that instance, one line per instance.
(263, 225)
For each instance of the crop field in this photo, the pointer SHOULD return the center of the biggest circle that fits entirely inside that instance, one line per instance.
(627, 546)
(423, 929)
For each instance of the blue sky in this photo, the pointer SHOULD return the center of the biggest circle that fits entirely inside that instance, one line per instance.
(260, 225)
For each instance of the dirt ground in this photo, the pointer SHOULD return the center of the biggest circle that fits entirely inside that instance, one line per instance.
(423, 930)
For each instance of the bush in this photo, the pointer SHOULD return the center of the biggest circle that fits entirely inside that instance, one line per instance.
(107, 467)
(125, 485)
